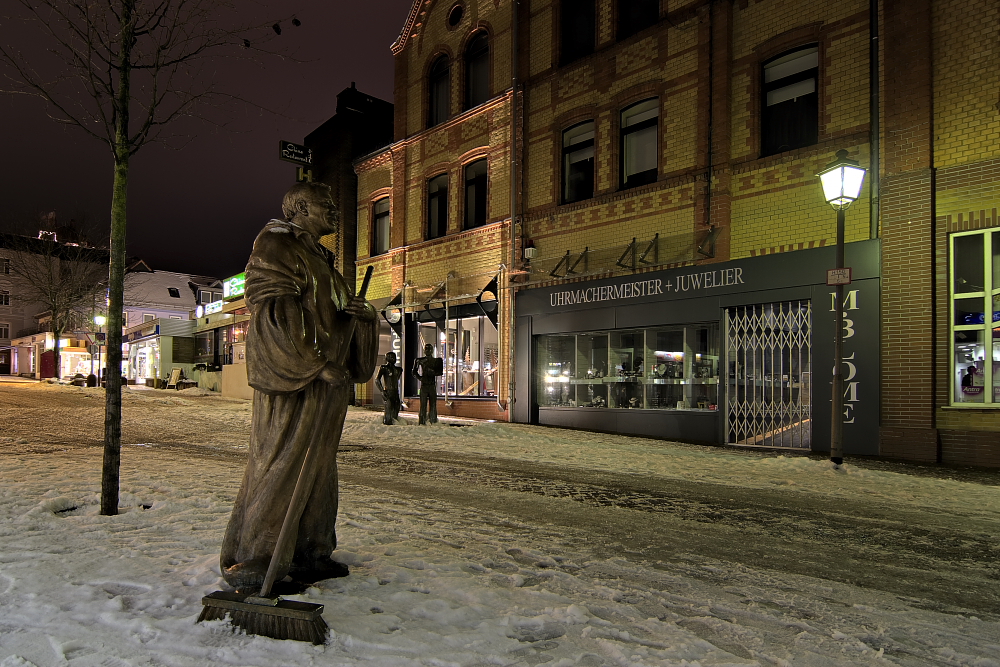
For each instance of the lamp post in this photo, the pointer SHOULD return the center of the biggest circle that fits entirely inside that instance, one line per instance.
(841, 181)
(99, 320)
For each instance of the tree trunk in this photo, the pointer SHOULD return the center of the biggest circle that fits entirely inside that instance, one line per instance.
(116, 277)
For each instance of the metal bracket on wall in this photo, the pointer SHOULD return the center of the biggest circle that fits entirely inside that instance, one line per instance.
(629, 251)
(654, 246)
(707, 245)
(584, 257)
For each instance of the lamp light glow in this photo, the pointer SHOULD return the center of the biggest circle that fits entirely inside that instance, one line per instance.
(100, 320)
(842, 181)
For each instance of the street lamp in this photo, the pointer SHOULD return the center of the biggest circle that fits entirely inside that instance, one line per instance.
(841, 181)
(99, 320)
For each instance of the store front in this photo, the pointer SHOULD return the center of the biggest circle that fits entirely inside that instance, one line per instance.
(153, 349)
(734, 353)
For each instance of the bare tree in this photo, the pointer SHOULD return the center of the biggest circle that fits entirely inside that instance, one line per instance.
(122, 71)
(66, 281)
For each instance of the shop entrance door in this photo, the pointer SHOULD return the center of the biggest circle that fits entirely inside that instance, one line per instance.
(769, 370)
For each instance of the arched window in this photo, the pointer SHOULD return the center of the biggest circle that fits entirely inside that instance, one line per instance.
(439, 91)
(635, 15)
(437, 206)
(475, 194)
(638, 143)
(477, 70)
(380, 227)
(790, 101)
(578, 162)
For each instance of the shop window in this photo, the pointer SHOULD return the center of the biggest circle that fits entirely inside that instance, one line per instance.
(380, 227)
(638, 143)
(437, 207)
(577, 29)
(975, 317)
(578, 162)
(4, 297)
(174, 292)
(470, 350)
(790, 101)
(475, 194)
(635, 15)
(477, 70)
(661, 368)
(439, 91)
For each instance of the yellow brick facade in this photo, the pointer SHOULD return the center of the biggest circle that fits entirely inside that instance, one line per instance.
(401, 171)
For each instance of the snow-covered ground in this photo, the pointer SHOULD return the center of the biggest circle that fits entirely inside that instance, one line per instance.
(431, 584)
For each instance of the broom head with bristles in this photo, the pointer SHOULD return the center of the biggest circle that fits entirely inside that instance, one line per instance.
(283, 619)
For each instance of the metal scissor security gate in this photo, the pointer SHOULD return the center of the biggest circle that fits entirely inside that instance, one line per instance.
(769, 370)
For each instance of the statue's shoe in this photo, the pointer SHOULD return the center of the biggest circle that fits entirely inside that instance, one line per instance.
(246, 577)
(319, 569)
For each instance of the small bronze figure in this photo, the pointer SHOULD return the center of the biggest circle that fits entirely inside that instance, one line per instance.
(387, 382)
(301, 360)
(428, 369)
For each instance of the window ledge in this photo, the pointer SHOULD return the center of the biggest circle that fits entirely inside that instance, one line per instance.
(988, 407)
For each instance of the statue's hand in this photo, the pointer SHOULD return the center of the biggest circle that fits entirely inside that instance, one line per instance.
(360, 309)
(338, 377)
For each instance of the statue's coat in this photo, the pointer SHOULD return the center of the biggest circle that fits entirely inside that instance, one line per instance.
(297, 326)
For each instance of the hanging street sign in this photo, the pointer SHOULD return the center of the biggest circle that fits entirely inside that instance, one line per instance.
(296, 153)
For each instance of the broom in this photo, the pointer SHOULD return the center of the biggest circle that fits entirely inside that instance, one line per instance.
(271, 616)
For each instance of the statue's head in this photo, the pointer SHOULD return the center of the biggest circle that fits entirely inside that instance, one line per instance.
(390, 358)
(428, 350)
(310, 206)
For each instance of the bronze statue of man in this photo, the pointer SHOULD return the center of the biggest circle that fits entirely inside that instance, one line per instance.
(427, 369)
(301, 369)
(387, 382)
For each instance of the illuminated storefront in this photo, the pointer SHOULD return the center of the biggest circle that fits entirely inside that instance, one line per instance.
(153, 349)
(736, 352)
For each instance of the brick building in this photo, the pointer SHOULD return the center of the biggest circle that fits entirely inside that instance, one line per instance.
(670, 240)
(434, 206)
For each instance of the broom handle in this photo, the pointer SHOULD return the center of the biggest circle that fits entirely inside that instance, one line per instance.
(307, 474)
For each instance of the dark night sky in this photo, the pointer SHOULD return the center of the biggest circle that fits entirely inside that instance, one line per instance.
(198, 209)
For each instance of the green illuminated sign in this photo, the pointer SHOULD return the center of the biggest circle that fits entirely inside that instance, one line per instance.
(232, 288)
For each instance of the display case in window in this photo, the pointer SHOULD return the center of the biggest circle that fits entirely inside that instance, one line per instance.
(668, 368)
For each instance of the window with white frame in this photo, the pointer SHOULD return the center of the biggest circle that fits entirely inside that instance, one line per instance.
(4, 266)
(148, 317)
(578, 162)
(975, 317)
(638, 143)
(790, 101)
(4, 297)
(380, 227)
(4, 330)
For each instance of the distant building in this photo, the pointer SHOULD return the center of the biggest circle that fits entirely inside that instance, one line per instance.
(361, 124)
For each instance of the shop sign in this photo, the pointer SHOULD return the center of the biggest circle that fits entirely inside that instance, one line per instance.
(138, 335)
(686, 282)
(232, 288)
(215, 306)
(296, 153)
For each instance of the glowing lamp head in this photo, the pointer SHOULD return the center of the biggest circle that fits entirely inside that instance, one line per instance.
(100, 320)
(842, 181)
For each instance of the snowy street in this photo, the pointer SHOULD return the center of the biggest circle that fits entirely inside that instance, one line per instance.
(474, 544)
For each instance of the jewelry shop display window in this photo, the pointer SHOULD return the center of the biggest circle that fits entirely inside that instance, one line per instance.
(661, 368)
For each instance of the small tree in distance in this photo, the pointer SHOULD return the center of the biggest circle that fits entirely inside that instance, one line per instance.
(122, 71)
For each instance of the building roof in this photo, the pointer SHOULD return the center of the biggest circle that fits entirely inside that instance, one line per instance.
(413, 23)
(155, 290)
